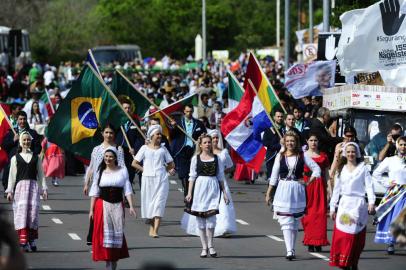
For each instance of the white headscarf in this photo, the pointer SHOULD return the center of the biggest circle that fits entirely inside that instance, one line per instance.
(20, 139)
(216, 132)
(356, 147)
(111, 148)
(152, 130)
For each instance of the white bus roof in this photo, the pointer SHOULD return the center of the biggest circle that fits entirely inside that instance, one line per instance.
(368, 97)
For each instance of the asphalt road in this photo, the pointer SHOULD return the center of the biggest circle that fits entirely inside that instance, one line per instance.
(257, 245)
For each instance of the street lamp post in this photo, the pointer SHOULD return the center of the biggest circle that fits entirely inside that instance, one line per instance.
(287, 32)
(311, 21)
(204, 29)
(326, 15)
(278, 23)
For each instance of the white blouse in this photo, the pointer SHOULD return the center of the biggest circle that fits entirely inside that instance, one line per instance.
(97, 158)
(226, 159)
(193, 169)
(155, 160)
(396, 169)
(117, 178)
(273, 180)
(13, 172)
(354, 183)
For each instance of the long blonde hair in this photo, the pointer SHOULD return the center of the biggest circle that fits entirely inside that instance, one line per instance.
(298, 147)
(199, 142)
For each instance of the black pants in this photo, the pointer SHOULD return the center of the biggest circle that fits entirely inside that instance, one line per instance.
(4, 180)
(183, 166)
(269, 167)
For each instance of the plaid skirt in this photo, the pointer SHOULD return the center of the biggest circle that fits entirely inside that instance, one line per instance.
(26, 205)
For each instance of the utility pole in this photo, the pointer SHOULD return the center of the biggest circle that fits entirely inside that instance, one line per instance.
(326, 15)
(311, 21)
(204, 29)
(287, 33)
(278, 23)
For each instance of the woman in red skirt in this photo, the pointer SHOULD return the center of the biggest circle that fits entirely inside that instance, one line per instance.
(315, 221)
(107, 210)
(352, 182)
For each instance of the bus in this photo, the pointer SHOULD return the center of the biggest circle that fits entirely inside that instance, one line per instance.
(14, 48)
(116, 53)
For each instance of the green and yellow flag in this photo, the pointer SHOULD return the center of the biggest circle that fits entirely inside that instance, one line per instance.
(87, 107)
(122, 88)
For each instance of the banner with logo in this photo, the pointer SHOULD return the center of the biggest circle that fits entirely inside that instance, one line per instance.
(309, 79)
(375, 38)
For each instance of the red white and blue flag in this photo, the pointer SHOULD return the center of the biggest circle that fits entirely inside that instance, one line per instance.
(242, 127)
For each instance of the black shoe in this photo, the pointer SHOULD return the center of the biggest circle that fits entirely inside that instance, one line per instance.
(33, 246)
(318, 248)
(391, 249)
(290, 255)
(212, 252)
(310, 248)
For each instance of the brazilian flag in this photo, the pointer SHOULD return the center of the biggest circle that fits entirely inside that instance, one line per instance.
(75, 127)
(123, 88)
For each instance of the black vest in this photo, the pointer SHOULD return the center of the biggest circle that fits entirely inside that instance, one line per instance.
(207, 168)
(298, 171)
(26, 171)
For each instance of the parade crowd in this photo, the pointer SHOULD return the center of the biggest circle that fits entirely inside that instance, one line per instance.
(312, 172)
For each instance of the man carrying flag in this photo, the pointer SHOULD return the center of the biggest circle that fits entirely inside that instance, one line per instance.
(183, 146)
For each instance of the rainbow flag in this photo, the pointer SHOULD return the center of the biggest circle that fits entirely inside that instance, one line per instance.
(266, 93)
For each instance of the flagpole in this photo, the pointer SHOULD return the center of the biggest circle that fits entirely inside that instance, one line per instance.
(266, 78)
(7, 119)
(267, 114)
(50, 101)
(94, 61)
(118, 102)
(156, 106)
(126, 138)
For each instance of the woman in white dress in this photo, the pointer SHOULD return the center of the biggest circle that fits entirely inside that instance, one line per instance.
(394, 200)
(290, 197)
(352, 182)
(24, 180)
(206, 180)
(107, 210)
(225, 223)
(109, 135)
(97, 156)
(158, 163)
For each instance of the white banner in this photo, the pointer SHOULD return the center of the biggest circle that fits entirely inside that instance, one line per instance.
(309, 79)
(376, 39)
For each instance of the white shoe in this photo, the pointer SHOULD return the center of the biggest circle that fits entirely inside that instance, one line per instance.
(55, 183)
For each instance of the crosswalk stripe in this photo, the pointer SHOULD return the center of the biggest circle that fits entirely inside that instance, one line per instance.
(74, 236)
(242, 222)
(319, 256)
(46, 207)
(57, 220)
(273, 237)
(173, 182)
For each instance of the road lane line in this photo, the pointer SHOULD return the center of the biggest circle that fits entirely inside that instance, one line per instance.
(242, 222)
(173, 182)
(319, 256)
(57, 220)
(273, 237)
(46, 207)
(181, 190)
(74, 236)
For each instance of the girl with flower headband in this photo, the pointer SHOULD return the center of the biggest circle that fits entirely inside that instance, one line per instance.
(23, 189)
(353, 180)
(157, 163)
(394, 200)
(206, 180)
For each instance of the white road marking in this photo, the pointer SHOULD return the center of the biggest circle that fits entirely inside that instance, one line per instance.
(242, 222)
(273, 237)
(74, 236)
(57, 220)
(181, 190)
(319, 256)
(46, 207)
(173, 182)
(40, 196)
